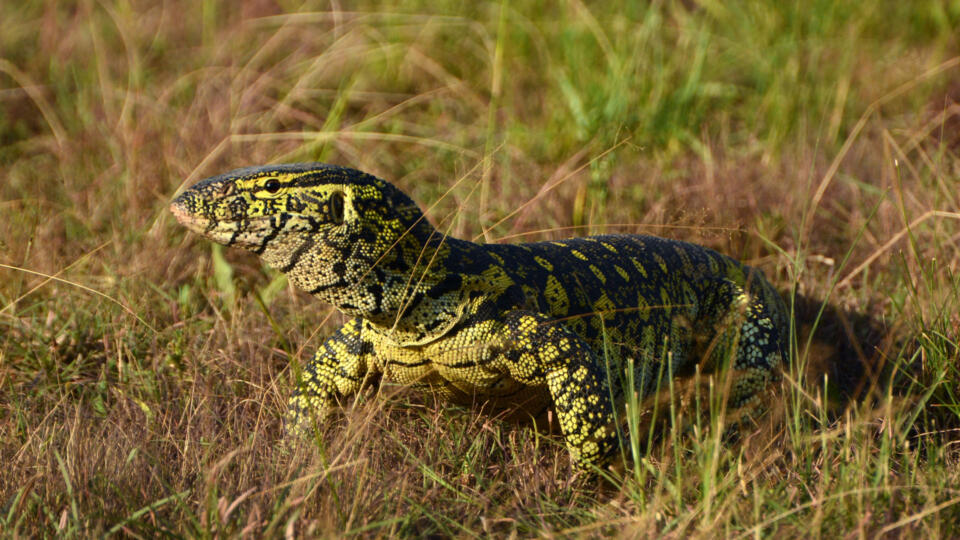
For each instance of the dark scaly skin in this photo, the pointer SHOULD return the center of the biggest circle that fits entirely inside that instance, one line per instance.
(528, 326)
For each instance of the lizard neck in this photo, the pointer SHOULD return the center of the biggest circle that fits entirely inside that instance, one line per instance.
(410, 283)
(450, 280)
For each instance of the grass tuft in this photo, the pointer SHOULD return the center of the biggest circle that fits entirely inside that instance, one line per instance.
(143, 372)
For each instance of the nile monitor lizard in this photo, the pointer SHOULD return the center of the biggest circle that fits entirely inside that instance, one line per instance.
(531, 326)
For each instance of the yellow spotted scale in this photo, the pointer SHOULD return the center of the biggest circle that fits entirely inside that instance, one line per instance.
(532, 327)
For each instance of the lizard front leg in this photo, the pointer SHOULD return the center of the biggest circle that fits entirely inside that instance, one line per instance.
(539, 351)
(337, 369)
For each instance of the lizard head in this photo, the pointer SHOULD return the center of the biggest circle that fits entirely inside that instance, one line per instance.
(324, 225)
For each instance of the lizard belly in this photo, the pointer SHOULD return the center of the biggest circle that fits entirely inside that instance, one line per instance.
(461, 379)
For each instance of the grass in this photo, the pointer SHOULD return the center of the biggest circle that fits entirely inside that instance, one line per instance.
(143, 371)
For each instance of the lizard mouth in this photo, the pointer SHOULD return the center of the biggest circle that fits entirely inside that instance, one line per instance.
(186, 212)
(247, 233)
(219, 231)
(188, 219)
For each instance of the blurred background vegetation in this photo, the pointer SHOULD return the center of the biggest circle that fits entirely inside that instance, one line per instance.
(143, 371)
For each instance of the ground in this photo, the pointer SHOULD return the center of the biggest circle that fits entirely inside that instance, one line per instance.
(144, 372)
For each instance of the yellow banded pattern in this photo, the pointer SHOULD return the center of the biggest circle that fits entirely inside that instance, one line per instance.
(537, 326)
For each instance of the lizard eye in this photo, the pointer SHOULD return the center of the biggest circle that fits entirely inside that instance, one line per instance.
(336, 207)
(272, 185)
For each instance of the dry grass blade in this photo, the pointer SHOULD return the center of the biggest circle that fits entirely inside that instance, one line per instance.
(82, 287)
(767, 130)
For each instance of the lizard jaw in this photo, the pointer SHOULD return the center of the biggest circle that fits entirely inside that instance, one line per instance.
(221, 232)
(188, 219)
